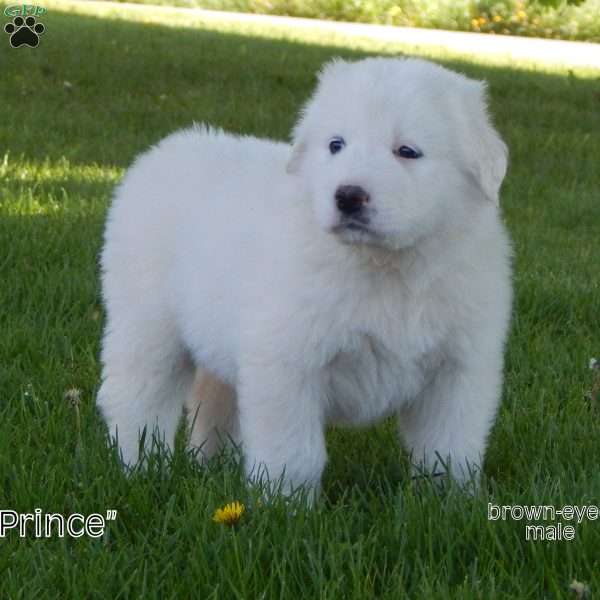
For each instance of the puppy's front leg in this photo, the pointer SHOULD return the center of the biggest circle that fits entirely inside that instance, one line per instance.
(446, 427)
(282, 426)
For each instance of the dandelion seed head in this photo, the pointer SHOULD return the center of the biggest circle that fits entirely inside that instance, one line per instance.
(580, 589)
(73, 396)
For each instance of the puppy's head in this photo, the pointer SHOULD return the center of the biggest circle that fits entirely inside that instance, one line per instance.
(393, 149)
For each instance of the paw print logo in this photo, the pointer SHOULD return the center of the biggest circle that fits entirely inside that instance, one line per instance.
(24, 32)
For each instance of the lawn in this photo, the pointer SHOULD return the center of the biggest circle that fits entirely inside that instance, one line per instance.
(76, 110)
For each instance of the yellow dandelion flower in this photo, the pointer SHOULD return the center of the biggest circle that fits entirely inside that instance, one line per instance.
(482, 20)
(521, 14)
(229, 514)
(497, 18)
(475, 22)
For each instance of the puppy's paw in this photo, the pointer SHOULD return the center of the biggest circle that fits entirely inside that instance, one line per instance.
(442, 478)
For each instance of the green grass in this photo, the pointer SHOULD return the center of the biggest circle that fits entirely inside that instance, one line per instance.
(371, 535)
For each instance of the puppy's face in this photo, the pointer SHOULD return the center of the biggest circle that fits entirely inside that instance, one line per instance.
(392, 149)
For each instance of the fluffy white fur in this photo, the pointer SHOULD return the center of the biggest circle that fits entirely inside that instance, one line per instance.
(232, 286)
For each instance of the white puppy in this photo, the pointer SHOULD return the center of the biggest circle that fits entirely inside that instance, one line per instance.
(362, 272)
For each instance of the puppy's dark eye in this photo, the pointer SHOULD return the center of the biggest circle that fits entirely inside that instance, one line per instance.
(408, 152)
(336, 144)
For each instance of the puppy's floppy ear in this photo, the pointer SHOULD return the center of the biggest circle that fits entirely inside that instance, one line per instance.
(300, 132)
(299, 144)
(293, 164)
(489, 153)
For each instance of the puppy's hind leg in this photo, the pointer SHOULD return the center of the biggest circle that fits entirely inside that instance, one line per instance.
(211, 414)
(146, 377)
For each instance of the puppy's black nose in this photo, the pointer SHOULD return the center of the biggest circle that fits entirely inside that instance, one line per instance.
(350, 199)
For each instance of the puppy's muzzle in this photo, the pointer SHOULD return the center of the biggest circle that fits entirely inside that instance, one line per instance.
(350, 199)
